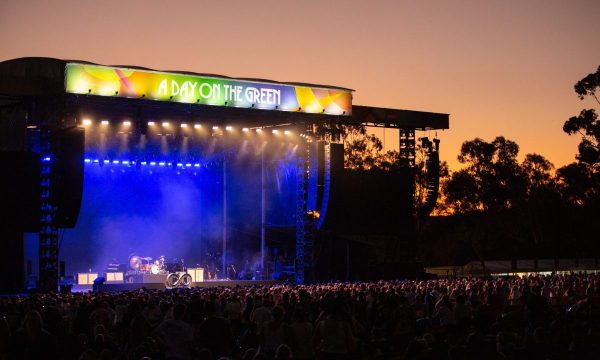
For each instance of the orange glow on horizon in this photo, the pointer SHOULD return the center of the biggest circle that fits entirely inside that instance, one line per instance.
(498, 68)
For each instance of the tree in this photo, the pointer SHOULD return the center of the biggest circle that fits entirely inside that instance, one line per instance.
(581, 180)
(492, 179)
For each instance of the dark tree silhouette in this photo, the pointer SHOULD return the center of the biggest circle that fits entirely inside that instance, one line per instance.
(492, 179)
(581, 180)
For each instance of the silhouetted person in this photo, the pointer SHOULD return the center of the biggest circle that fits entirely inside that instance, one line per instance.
(214, 333)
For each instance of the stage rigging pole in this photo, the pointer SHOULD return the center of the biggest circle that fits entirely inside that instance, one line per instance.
(262, 217)
(224, 266)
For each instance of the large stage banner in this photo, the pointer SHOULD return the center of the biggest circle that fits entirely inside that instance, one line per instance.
(206, 90)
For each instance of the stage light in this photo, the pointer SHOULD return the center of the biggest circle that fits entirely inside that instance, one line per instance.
(179, 165)
(215, 128)
(150, 123)
(106, 162)
(287, 132)
(152, 163)
(274, 131)
(162, 163)
(87, 161)
(188, 165)
(197, 126)
(228, 128)
(115, 161)
(143, 163)
(165, 124)
(126, 123)
(183, 125)
(125, 162)
(104, 122)
(86, 122)
(258, 130)
(245, 129)
(197, 165)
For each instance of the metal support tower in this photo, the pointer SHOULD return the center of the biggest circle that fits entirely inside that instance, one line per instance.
(304, 221)
(407, 148)
(48, 235)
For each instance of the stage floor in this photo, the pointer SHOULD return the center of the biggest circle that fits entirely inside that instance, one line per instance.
(118, 287)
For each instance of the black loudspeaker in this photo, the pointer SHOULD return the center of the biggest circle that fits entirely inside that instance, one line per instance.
(20, 190)
(68, 147)
(332, 173)
(61, 266)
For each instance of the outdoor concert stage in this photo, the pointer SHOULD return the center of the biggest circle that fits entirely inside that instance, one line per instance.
(127, 169)
(111, 287)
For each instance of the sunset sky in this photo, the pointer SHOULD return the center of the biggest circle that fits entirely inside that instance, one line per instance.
(497, 67)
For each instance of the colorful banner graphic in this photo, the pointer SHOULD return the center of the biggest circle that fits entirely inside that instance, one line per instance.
(194, 89)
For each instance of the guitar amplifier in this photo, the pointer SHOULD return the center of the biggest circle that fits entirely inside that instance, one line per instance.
(86, 278)
(116, 267)
(197, 274)
(114, 277)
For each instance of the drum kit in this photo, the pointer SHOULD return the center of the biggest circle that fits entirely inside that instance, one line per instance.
(145, 265)
(175, 273)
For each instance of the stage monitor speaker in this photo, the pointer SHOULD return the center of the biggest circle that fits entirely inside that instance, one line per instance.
(20, 190)
(68, 147)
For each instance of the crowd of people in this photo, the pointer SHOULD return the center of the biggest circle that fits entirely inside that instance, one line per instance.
(534, 317)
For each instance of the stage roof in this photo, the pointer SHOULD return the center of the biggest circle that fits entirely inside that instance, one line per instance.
(126, 89)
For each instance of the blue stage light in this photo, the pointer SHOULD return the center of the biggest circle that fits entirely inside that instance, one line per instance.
(143, 163)
(116, 161)
(125, 162)
(188, 165)
(96, 161)
(47, 159)
(197, 165)
(152, 163)
(162, 163)
(179, 165)
(87, 161)
(106, 161)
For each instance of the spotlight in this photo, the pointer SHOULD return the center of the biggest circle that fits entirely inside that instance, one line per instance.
(287, 132)
(215, 128)
(245, 129)
(165, 124)
(228, 128)
(259, 130)
(183, 125)
(127, 123)
(197, 126)
(150, 123)
(104, 122)
(274, 131)
(86, 122)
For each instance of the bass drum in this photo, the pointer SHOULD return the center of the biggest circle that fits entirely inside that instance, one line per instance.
(155, 269)
(185, 280)
(172, 281)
